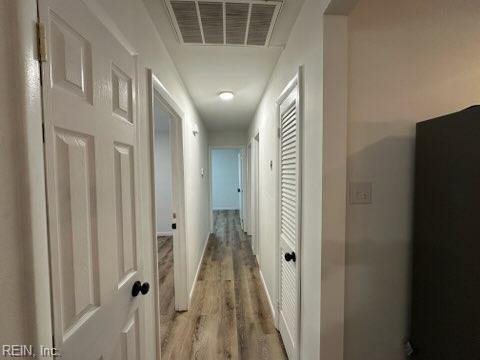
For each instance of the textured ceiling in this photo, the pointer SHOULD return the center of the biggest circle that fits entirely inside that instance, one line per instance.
(207, 70)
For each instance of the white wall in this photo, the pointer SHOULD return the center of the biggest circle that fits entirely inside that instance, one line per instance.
(409, 61)
(304, 47)
(227, 138)
(163, 171)
(335, 71)
(12, 274)
(225, 179)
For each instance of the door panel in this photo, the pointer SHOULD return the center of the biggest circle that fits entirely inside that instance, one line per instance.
(76, 202)
(289, 222)
(91, 149)
(125, 210)
(128, 344)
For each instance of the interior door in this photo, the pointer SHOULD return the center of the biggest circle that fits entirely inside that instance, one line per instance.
(289, 221)
(240, 187)
(89, 92)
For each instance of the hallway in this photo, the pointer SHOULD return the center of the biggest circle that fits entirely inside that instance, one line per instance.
(229, 317)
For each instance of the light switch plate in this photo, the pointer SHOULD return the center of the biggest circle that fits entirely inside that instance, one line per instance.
(360, 193)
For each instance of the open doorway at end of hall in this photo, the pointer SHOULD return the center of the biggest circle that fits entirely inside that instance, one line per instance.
(163, 223)
(227, 167)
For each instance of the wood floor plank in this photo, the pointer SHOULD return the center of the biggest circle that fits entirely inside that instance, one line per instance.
(166, 284)
(229, 316)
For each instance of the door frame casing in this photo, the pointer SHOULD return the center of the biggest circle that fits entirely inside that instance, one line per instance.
(33, 227)
(253, 183)
(296, 82)
(248, 190)
(158, 92)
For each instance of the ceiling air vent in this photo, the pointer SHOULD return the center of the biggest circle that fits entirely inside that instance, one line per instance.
(220, 22)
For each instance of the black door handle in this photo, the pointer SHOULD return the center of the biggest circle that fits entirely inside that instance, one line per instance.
(138, 288)
(290, 256)
(145, 288)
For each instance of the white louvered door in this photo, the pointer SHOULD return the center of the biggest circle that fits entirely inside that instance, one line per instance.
(289, 218)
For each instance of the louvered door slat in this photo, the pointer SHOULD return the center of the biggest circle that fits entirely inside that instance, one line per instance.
(288, 115)
(289, 125)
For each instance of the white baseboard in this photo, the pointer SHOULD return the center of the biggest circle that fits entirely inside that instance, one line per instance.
(198, 270)
(272, 308)
(164, 233)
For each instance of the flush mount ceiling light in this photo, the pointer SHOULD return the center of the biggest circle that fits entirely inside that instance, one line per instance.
(226, 95)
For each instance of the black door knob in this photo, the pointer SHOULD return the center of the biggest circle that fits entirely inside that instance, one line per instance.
(291, 256)
(145, 288)
(138, 288)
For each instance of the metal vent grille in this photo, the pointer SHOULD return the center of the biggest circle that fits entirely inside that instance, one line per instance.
(187, 20)
(236, 22)
(220, 22)
(211, 14)
(260, 19)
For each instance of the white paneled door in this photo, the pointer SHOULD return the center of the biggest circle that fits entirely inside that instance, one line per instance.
(289, 218)
(89, 87)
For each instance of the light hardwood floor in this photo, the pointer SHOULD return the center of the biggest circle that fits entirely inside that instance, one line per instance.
(229, 317)
(165, 279)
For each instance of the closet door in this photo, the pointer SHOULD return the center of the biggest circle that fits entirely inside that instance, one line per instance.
(289, 218)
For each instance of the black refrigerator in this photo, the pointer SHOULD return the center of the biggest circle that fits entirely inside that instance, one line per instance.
(445, 308)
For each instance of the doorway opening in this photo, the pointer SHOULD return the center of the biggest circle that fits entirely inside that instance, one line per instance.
(168, 209)
(227, 179)
(164, 218)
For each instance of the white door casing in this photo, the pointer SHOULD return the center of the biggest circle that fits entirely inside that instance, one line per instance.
(256, 196)
(240, 187)
(289, 216)
(89, 90)
(248, 187)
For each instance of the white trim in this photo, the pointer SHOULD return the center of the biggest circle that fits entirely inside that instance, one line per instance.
(194, 284)
(295, 83)
(31, 170)
(270, 302)
(248, 184)
(156, 91)
(288, 89)
(255, 203)
(164, 233)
